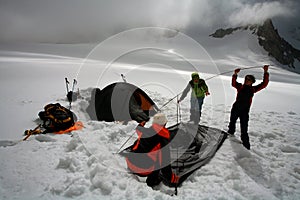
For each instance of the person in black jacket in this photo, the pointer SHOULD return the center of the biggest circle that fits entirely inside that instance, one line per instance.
(241, 106)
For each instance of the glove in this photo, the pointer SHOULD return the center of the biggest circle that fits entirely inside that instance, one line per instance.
(175, 179)
(207, 93)
(142, 123)
(236, 71)
(179, 101)
(266, 67)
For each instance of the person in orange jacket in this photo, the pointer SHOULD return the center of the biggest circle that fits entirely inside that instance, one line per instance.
(151, 152)
(241, 107)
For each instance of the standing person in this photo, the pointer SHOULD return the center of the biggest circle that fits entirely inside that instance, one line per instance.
(241, 107)
(199, 91)
(151, 155)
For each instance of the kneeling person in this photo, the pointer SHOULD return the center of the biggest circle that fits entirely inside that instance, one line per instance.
(151, 153)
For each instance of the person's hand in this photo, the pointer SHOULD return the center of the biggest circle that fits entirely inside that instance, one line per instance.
(142, 123)
(178, 101)
(207, 93)
(266, 67)
(236, 71)
(175, 178)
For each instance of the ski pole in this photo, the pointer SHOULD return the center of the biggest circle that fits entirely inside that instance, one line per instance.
(74, 83)
(67, 85)
(70, 94)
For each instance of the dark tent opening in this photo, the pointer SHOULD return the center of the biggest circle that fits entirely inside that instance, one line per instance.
(121, 101)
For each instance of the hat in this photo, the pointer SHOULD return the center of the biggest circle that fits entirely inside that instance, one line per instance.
(160, 119)
(194, 75)
(251, 77)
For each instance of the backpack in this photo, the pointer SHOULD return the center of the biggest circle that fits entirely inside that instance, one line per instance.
(56, 118)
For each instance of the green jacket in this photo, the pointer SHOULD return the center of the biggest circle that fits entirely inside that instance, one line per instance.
(198, 90)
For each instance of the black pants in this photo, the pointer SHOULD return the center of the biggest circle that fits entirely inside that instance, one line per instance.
(154, 178)
(243, 114)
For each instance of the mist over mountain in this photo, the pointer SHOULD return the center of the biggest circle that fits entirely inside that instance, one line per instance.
(269, 38)
(92, 21)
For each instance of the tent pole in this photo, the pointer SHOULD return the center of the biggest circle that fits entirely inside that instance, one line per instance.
(125, 143)
(232, 71)
(177, 108)
(176, 184)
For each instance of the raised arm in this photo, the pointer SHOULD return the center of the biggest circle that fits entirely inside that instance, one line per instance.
(265, 81)
(234, 83)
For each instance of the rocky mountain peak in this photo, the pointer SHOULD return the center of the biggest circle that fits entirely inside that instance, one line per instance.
(270, 40)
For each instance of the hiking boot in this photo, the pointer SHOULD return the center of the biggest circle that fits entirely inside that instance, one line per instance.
(246, 145)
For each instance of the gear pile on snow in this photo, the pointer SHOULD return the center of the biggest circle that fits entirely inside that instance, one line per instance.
(55, 117)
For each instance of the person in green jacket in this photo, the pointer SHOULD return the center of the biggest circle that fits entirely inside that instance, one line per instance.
(199, 91)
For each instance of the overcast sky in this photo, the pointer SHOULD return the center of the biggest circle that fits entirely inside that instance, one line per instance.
(95, 20)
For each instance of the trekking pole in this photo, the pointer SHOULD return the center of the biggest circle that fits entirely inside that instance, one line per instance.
(67, 85)
(74, 83)
(70, 94)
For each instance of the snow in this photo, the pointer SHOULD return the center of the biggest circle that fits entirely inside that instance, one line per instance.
(84, 163)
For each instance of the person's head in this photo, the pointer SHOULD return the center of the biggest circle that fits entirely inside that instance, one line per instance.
(160, 119)
(195, 77)
(249, 80)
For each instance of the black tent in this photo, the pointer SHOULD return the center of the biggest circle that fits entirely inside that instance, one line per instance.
(191, 147)
(121, 101)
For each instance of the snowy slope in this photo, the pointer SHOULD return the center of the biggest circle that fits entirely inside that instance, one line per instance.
(82, 165)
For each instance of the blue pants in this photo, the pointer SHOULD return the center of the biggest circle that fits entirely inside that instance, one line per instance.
(196, 108)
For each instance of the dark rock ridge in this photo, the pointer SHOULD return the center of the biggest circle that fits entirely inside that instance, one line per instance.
(270, 40)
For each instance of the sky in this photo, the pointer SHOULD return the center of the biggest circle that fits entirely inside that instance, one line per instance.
(75, 21)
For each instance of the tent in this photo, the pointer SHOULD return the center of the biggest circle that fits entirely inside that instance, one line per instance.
(191, 147)
(120, 101)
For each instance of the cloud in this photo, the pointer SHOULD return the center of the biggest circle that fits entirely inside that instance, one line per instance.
(75, 21)
(258, 12)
